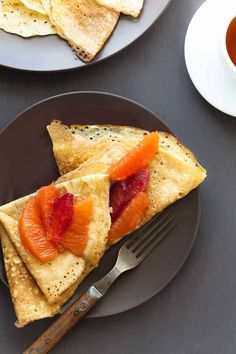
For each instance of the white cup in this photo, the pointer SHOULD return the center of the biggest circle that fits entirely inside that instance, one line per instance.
(225, 25)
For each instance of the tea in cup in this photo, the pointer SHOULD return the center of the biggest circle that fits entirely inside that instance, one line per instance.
(229, 43)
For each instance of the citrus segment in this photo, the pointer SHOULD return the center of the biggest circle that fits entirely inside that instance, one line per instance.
(33, 234)
(61, 218)
(46, 198)
(136, 159)
(130, 218)
(76, 237)
(123, 191)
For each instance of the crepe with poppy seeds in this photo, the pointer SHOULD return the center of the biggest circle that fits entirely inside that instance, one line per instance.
(93, 149)
(84, 24)
(29, 302)
(18, 19)
(56, 276)
(127, 7)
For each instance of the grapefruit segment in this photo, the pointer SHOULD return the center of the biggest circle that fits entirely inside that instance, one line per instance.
(123, 191)
(33, 234)
(136, 159)
(46, 198)
(61, 218)
(130, 218)
(76, 237)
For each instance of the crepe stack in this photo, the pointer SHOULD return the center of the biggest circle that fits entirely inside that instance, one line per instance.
(16, 18)
(81, 150)
(84, 24)
(84, 155)
(39, 289)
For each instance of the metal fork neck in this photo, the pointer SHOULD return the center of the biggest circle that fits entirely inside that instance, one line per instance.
(104, 284)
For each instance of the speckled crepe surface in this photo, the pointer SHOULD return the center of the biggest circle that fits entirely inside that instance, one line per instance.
(92, 149)
(52, 283)
(85, 24)
(127, 7)
(16, 18)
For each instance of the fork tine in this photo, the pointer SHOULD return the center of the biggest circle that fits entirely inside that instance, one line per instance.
(155, 241)
(140, 232)
(151, 232)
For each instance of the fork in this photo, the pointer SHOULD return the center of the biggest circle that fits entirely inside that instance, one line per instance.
(131, 254)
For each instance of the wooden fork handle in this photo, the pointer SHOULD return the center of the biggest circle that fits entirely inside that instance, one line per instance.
(44, 343)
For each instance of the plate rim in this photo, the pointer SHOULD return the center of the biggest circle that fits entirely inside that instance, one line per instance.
(198, 199)
(94, 61)
(70, 93)
(196, 84)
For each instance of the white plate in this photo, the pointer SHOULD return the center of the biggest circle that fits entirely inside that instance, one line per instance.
(204, 59)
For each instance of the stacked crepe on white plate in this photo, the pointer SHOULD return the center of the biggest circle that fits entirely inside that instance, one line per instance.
(84, 24)
(84, 155)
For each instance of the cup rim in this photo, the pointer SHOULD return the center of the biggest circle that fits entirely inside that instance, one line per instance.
(223, 44)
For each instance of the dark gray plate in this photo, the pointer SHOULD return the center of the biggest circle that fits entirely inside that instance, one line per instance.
(27, 162)
(52, 53)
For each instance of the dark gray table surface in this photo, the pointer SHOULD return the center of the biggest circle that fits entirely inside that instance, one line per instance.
(195, 313)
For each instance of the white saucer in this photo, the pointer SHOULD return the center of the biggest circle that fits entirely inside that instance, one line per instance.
(204, 59)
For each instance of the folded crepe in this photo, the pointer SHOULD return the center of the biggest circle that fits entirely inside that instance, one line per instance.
(80, 150)
(29, 302)
(84, 24)
(49, 285)
(84, 150)
(16, 18)
(127, 7)
(35, 5)
(47, 6)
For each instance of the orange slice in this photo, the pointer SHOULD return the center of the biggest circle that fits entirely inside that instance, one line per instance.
(46, 198)
(76, 236)
(129, 219)
(33, 233)
(136, 159)
(61, 219)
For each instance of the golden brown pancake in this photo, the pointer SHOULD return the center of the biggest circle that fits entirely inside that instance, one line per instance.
(127, 7)
(59, 274)
(92, 149)
(17, 18)
(29, 302)
(84, 24)
(80, 143)
(174, 172)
